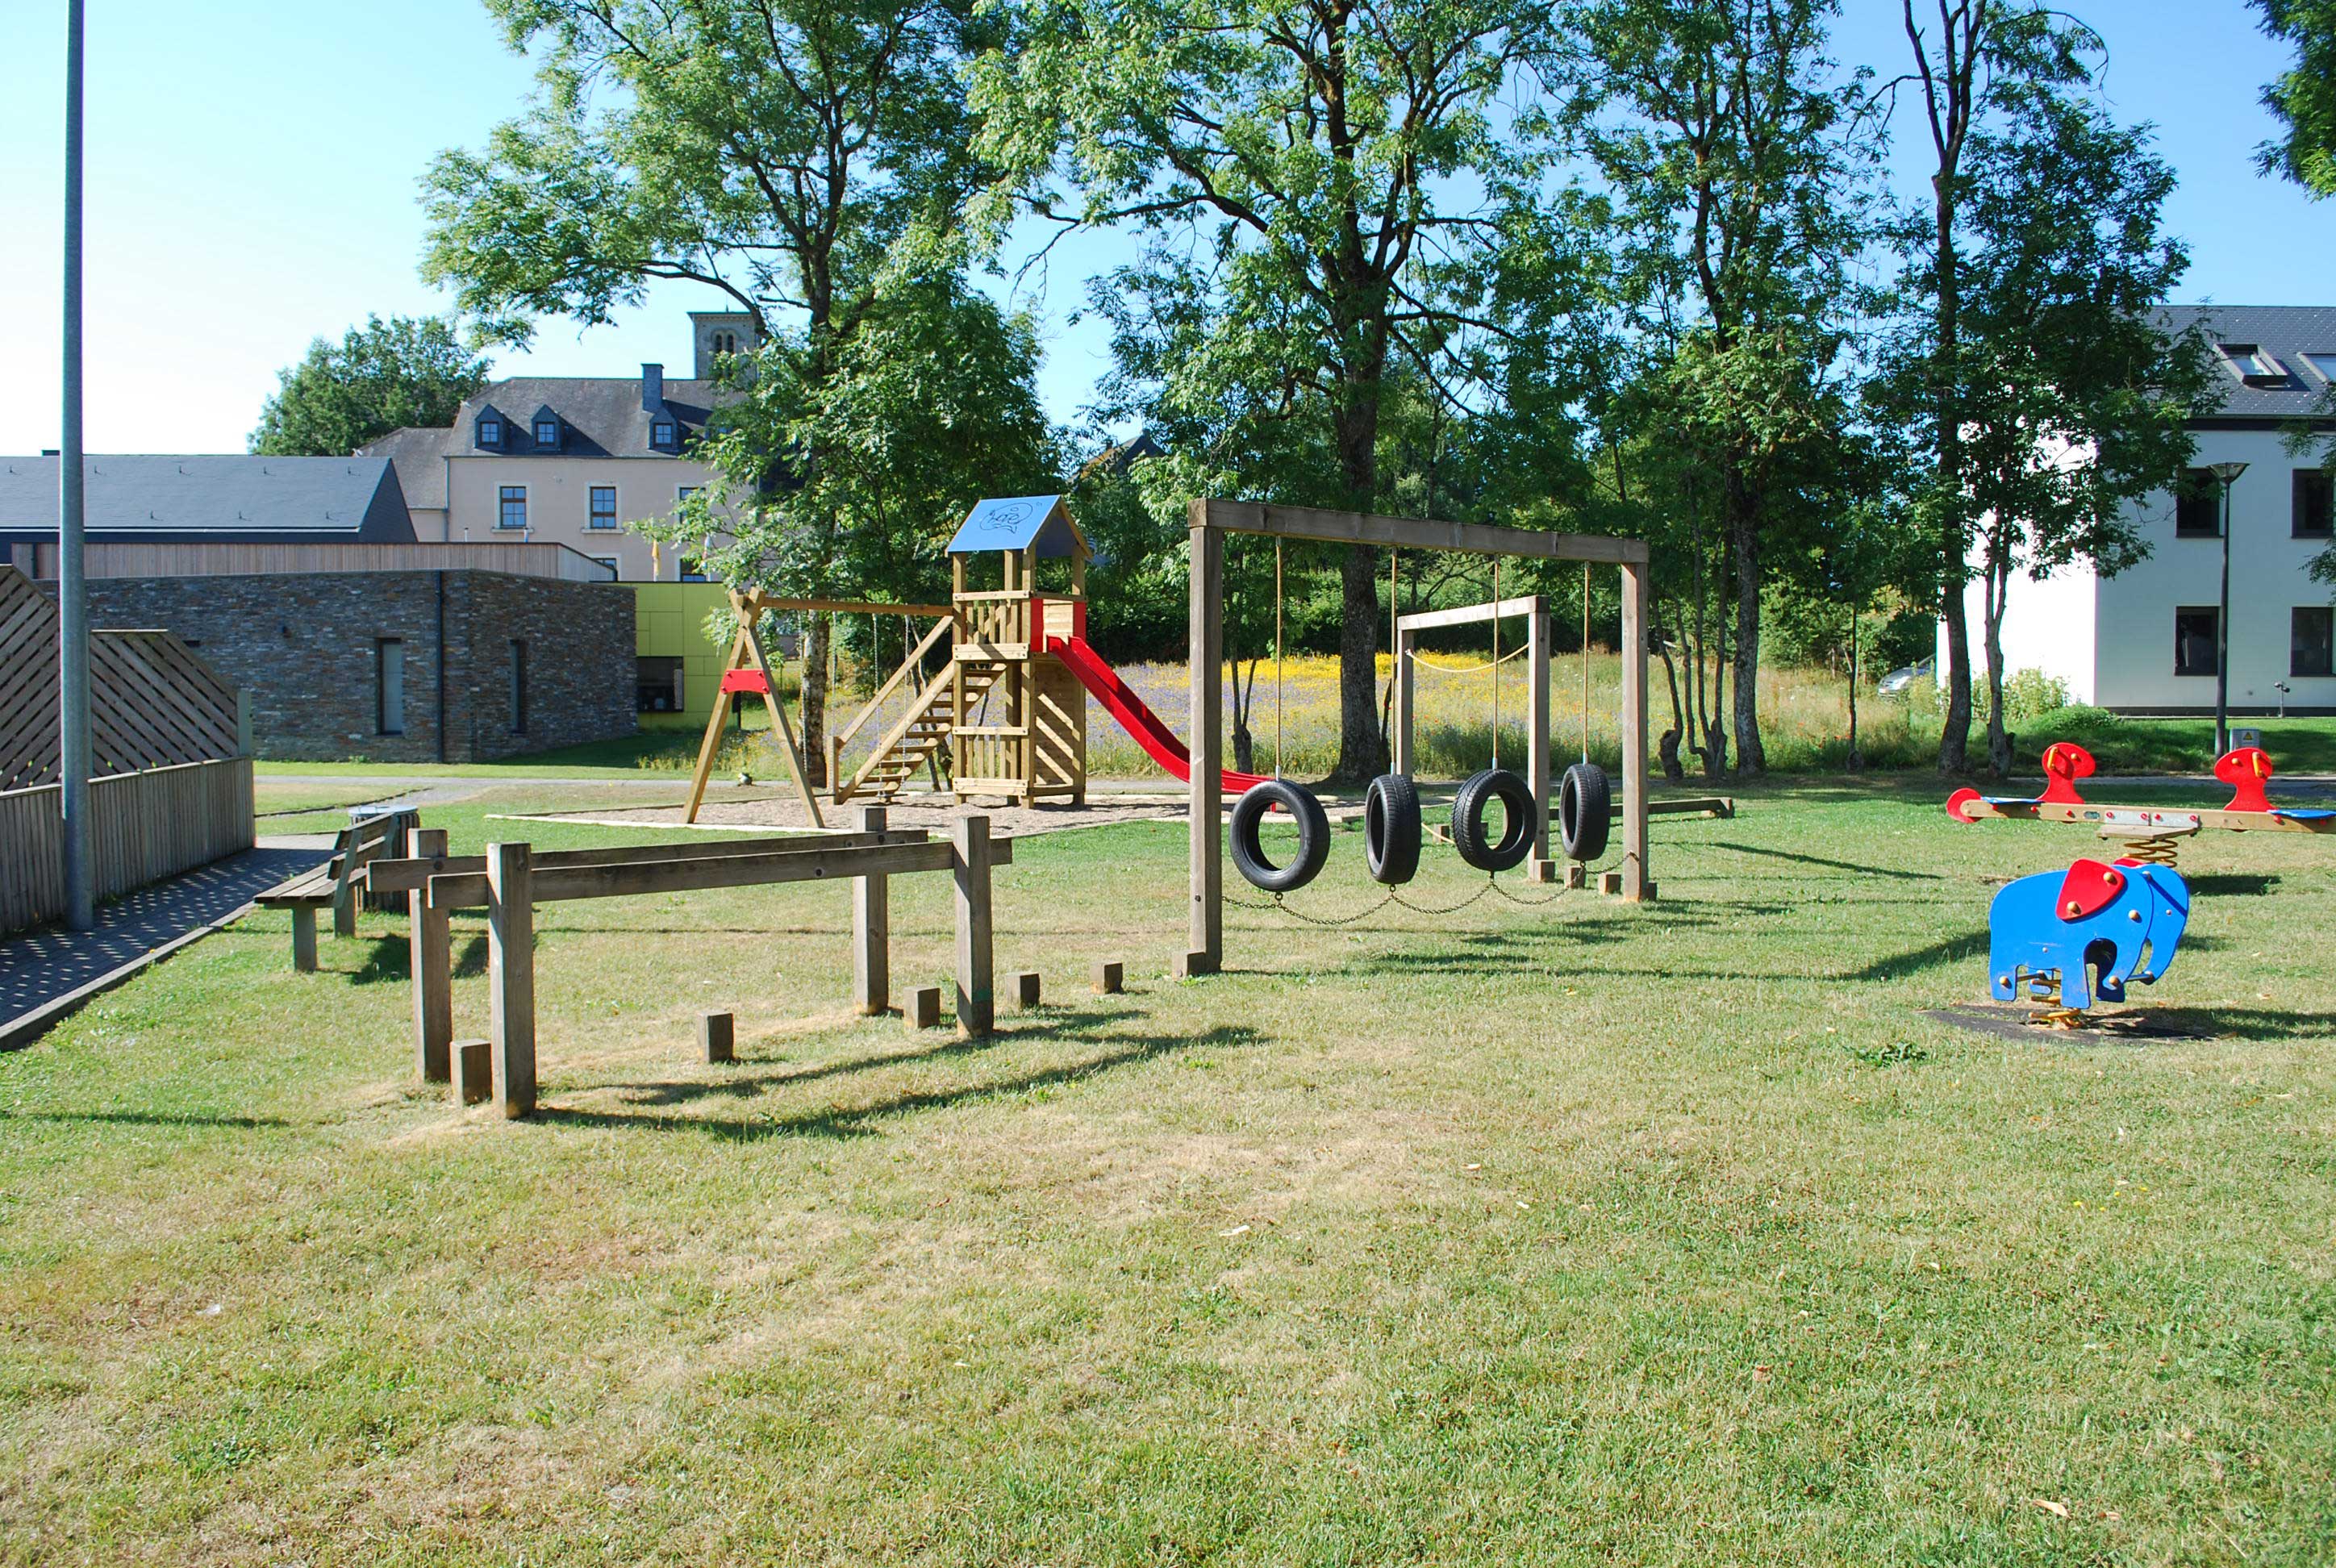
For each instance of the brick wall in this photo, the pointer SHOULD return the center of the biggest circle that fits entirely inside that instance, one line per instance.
(304, 645)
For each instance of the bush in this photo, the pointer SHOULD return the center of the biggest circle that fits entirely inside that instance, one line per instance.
(2032, 694)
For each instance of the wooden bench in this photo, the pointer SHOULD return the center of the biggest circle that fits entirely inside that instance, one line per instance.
(338, 882)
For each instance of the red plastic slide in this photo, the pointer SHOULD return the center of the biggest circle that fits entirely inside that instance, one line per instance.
(1134, 714)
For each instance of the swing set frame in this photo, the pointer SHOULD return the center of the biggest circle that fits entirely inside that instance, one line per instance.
(1208, 520)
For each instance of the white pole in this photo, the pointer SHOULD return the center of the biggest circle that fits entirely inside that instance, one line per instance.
(73, 591)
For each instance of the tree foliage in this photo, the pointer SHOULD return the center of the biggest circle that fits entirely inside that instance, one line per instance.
(382, 376)
(2304, 98)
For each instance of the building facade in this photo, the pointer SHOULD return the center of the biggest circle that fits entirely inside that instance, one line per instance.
(452, 666)
(571, 460)
(2144, 641)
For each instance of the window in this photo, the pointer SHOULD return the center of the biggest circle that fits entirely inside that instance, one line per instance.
(693, 571)
(2194, 640)
(616, 571)
(682, 492)
(490, 431)
(2323, 366)
(2198, 505)
(514, 511)
(2312, 640)
(2253, 366)
(547, 432)
(517, 687)
(604, 506)
(660, 684)
(662, 432)
(2314, 508)
(389, 685)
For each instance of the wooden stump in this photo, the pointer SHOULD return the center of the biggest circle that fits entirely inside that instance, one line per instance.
(473, 1071)
(1577, 876)
(872, 913)
(1193, 965)
(717, 1036)
(1109, 974)
(924, 1009)
(1026, 988)
(431, 957)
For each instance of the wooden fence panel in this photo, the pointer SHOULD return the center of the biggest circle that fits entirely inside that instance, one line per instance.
(144, 826)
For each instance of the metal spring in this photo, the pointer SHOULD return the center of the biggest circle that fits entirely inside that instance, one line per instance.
(2157, 851)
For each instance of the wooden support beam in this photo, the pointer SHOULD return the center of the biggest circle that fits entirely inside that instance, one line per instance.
(511, 975)
(1206, 941)
(1410, 532)
(779, 719)
(976, 1008)
(871, 931)
(763, 601)
(1537, 736)
(1406, 700)
(691, 874)
(1469, 614)
(1638, 880)
(713, 741)
(404, 876)
(304, 938)
(430, 944)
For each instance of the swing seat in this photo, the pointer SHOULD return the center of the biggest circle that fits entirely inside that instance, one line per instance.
(749, 681)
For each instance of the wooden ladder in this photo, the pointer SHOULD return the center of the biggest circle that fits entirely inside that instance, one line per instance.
(917, 737)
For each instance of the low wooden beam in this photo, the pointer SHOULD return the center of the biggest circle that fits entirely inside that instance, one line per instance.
(561, 885)
(1469, 614)
(403, 876)
(1409, 532)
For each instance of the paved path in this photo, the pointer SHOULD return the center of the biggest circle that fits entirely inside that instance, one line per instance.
(46, 974)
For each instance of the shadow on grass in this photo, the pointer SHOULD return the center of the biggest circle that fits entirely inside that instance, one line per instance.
(147, 1118)
(745, 1086)
(1962, 948)
(2245, 1023)
(391, 959)
(471, 959)
(859, 1122)
(2234, 884)
(1863, 870)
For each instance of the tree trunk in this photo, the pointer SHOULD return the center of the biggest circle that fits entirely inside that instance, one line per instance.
(1998, 739)
(1667, 746)
(1953, 544)
(1743, 540)
(814, 703)
(1855, 761)
(1362, 752)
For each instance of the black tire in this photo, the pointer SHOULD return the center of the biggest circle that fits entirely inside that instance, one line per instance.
(1391, 829)
(1585, 811)
(1468, 809)
(1313, 836)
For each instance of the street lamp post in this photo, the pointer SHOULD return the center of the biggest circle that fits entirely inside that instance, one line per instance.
(2228, 472)
(73, 591)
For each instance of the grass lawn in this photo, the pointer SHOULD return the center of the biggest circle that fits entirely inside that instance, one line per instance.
(1575, 1233)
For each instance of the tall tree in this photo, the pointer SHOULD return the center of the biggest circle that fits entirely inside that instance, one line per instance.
(1325, 187)
(381, 376)
(1969, 57)
(2304, 98)
(790, 154)
(1725, 137)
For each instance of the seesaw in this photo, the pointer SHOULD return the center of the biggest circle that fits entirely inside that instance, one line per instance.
(2149, 832)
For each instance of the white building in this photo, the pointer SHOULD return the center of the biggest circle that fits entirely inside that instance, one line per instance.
(2143, 641)
(570, 460)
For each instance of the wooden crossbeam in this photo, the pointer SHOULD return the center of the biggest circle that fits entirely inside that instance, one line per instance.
(692, 871)
(404, 876)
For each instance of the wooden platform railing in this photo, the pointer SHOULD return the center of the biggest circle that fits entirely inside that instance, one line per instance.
(144, 826)
(511, 878)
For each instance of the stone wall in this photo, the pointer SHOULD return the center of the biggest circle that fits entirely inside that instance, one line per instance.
(306, 647)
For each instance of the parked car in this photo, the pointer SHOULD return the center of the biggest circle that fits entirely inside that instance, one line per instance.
(1899, 680)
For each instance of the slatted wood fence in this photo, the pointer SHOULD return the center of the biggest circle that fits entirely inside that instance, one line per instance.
(171, 789)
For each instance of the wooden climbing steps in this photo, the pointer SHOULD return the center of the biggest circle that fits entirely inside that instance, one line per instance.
(920, 736)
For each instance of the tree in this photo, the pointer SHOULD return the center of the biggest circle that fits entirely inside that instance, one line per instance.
(382, 376)
(805, 158)
(1328, 190)
(2304, 98)
(1966, 72)
(2074, 403)
(1729, 147)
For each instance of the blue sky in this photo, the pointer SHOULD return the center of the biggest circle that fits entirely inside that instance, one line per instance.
(253, 167)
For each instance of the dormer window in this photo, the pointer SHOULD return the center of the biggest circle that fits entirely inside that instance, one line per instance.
(664, 434)
(547, 434)
(490, 431)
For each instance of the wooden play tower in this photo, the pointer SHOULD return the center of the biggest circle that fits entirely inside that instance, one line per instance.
(1008, 715)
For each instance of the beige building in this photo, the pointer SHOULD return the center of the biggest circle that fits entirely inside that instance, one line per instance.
(571, 460)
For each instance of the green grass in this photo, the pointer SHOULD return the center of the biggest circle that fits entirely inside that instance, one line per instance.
(1575, 1234)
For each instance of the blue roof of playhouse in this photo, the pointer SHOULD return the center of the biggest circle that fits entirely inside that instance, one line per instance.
(1016, 523)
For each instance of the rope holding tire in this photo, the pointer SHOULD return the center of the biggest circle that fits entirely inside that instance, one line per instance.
(1469, 808)
(1585, 809)
(1391, 829)
(1313, 836)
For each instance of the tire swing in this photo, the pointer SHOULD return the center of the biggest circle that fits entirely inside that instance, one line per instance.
(1585, 795)
(1474, 802)
(1249, 854)
(1391, 829)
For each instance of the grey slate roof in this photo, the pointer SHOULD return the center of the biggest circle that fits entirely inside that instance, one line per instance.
(2287, 333)
(601, 416)
(213, 497)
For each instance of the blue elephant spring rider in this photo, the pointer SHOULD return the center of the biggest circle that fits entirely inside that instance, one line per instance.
(2123, 920)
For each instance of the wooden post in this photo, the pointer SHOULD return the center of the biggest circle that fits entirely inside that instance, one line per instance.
(345, 905)
(959, 632)
(511, 974)
(304, 938)
(1404, 642)
(430, 943)
(977, 1008)
(1537, 737)
(1026, 985)
(717, 1036)
(1204, 806)
(1110, 977)
(713, 741)
(1033, 633)
(1637, 886)
(924, 1008)
(871, 928)
(475, 1076)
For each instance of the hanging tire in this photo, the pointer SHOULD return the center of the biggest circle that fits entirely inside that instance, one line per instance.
(1468, 810)
(1391, 829)
(1313, 836)
(1585, 811)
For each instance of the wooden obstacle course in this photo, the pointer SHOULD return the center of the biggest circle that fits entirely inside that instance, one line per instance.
(1109, 977)
(511, 879)
(924, 1008)
(336, 883)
